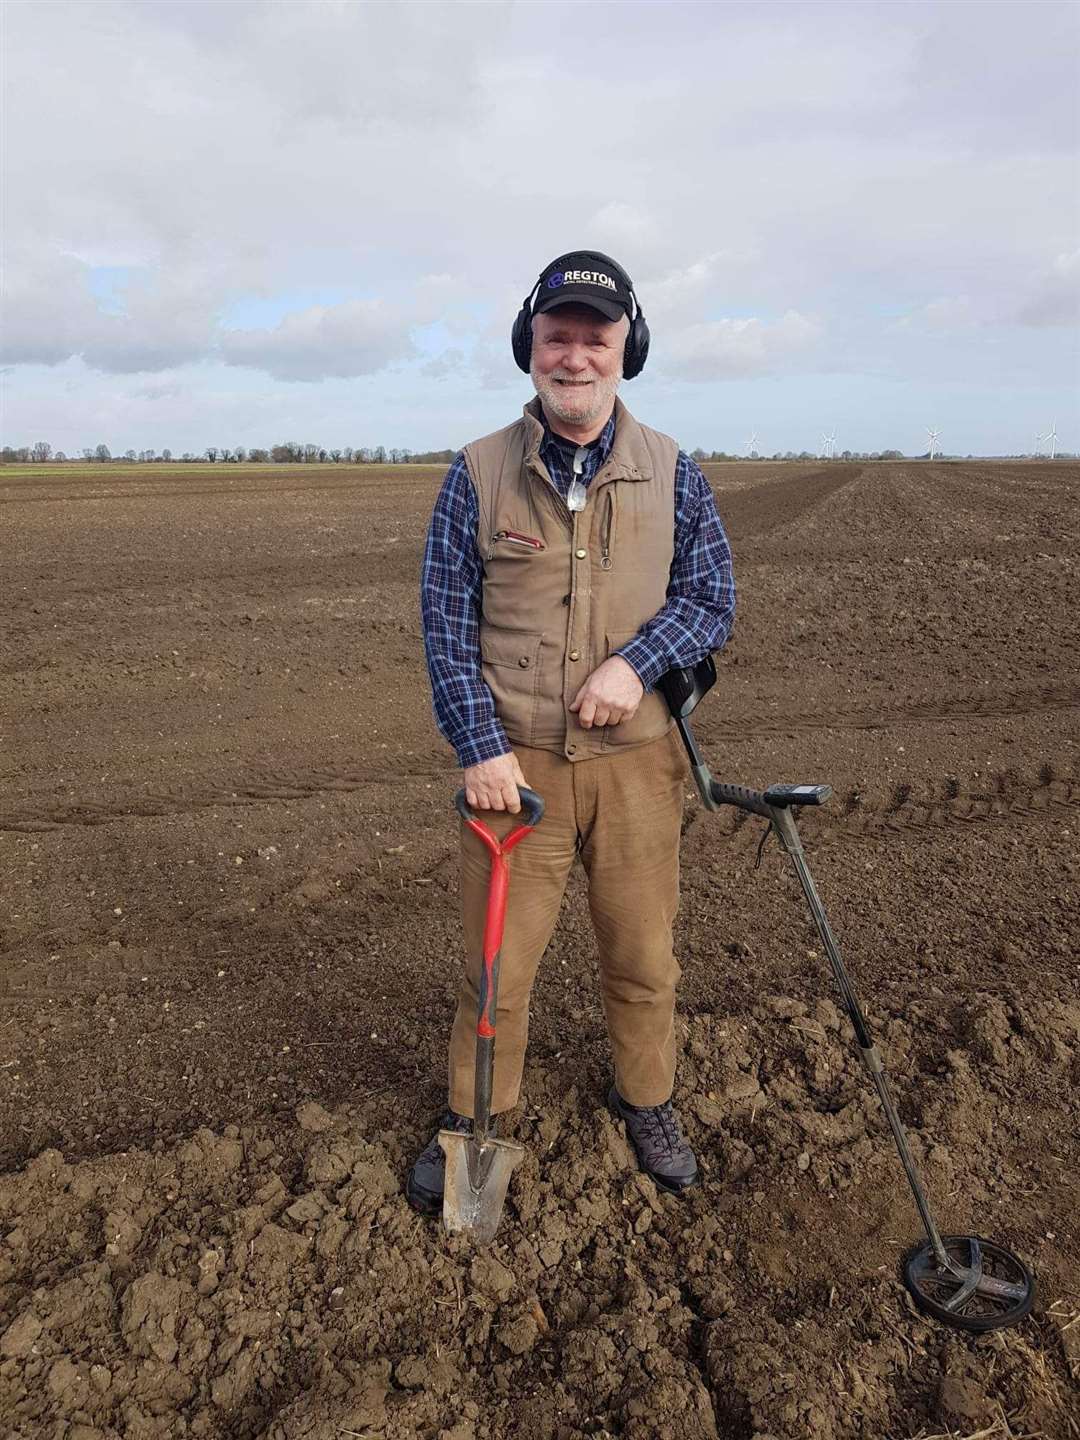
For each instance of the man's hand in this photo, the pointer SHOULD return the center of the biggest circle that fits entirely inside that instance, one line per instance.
(493, 784)
(610, 695)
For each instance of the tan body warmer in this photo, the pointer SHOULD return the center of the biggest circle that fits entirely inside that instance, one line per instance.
(563, 590)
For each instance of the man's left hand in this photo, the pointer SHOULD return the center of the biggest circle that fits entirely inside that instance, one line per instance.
(610, 695)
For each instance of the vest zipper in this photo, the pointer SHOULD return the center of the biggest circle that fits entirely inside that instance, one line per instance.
(605, 534)
(516, 538)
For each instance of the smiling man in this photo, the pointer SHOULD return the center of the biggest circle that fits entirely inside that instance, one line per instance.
(572, 559)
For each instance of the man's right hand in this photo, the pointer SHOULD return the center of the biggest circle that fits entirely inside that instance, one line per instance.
(493, 784)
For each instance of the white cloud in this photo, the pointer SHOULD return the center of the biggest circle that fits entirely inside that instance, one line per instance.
(685, 294)
(1054, 298)
(441, 367)
(945, 315)
(166, 321)
(732, 349)
(1048, 297)
(50, 316)
(358, 337)
(433, 296)
(619, 228)
(48, 311)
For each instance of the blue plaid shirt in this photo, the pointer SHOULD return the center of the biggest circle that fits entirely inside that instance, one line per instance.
(696, 617)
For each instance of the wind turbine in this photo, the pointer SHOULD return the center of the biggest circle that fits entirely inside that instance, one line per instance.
(933, 439)
(750, 451)
(828, 446)
(1038, 444)
(1051, 435)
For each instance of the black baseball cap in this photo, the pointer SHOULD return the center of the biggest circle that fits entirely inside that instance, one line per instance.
(585, 277)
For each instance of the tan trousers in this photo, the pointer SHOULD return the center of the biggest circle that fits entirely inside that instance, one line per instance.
(622, 813)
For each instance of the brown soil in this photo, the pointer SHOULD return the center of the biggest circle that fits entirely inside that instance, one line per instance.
(230, 948)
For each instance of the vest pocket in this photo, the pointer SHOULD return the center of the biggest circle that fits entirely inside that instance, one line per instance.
(510, 661)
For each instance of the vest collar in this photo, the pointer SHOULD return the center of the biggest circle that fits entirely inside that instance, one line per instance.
(629, 458)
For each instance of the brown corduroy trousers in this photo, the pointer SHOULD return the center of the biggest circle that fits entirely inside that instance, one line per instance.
(622, 813)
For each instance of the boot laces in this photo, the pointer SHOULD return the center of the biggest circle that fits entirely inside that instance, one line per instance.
(662, 1127)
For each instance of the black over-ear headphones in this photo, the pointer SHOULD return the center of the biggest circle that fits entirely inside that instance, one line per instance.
(636, 350)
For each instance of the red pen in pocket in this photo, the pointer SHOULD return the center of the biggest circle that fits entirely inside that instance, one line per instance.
(519, 539)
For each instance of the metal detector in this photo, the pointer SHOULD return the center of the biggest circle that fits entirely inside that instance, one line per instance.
(961, 1280)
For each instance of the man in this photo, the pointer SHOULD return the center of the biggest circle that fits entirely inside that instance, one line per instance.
(572, 559)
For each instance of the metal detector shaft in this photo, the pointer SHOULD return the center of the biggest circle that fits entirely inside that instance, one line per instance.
(783, 823)
(779, 816)
(698, 768)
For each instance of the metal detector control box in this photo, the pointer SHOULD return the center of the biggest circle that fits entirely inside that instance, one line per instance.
(783, 795)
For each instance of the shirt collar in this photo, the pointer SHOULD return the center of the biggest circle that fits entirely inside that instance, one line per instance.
(601, 446)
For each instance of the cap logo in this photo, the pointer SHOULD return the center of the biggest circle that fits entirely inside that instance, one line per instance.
(580, 277)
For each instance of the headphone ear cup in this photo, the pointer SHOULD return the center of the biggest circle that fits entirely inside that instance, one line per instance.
(636, 351)
(521, 339)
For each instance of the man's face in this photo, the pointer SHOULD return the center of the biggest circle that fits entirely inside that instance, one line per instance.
(577, 360)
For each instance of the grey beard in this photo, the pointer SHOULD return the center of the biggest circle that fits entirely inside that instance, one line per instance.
(555, 399)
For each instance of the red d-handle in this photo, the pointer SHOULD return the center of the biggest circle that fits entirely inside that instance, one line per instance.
(531, 803)
(498, 887)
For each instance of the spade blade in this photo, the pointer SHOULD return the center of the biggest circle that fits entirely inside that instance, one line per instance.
(476, 1180)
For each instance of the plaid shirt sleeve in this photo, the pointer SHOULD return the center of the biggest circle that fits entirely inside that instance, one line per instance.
(699, 611)
(450, 593)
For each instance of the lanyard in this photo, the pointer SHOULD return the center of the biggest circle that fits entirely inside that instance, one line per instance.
(575, 496)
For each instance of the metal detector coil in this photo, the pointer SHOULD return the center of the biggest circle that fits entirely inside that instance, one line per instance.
(982, 1286)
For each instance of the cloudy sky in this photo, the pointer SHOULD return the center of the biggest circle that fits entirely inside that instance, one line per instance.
(239, 223)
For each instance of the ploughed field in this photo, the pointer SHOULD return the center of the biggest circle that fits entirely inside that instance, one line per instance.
(229, 948)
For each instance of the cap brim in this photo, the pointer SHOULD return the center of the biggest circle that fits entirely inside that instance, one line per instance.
(571, 295)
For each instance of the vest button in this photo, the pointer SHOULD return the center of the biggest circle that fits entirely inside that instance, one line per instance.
(524, 662)
(581, 554)
(575, 655)
(571, 749)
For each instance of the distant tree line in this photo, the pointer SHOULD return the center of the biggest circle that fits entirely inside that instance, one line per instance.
(289, 453)
(712, 456)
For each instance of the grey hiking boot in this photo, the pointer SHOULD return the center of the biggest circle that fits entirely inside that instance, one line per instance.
(657, 1138)
(427, 1178)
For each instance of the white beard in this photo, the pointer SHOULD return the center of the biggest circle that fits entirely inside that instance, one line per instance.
(576, 407)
